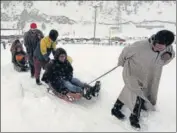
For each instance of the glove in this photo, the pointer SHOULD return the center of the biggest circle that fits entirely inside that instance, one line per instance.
(166, 56)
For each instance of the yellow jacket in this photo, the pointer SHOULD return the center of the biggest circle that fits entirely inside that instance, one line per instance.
(46, 45)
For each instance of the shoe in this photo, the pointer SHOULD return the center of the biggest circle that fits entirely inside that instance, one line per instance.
(117, 113)
(134, 121)
(86, 93)
(95, 90)
(38, 81)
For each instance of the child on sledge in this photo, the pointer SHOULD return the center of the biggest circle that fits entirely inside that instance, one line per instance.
(59, 73)
(20, 59)
(15, 44)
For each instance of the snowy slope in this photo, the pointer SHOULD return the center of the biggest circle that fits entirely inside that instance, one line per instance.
(107, 12)
(27, 107)
(136, 11)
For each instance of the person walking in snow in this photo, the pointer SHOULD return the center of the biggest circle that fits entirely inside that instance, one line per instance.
(31, 39)
(142, 64)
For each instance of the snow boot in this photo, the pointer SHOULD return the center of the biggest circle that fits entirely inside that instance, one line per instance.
(38, 82)
(134, 121)
(96, 89)
(87, 92)
(143, 105)
(134, 118)
(116, 110)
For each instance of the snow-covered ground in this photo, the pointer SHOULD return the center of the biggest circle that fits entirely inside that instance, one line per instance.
(156, 10)
(27, 107)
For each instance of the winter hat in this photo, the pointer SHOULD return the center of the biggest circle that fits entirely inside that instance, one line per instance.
(33, 26)
(164, 37)
(53, 35)
(17, 41)
(58, 52)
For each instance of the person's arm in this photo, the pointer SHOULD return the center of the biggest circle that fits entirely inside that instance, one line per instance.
(168, 56)
(53, 48)
(40, 34)
(127, 53)
(70, 72)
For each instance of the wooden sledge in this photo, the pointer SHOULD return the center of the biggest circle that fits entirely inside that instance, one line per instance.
(67, 96)
(19, 69)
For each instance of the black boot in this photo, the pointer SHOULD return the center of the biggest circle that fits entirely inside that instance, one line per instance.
(86, 92)
(143, 106)
(134, 121)
(96, 89)
(38, 82)
(134, 118)
(116, 110)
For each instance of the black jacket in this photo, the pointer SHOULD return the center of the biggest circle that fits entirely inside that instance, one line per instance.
(56, 72)
(31, 39)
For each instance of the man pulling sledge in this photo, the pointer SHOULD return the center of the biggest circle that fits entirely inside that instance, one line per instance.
(143, 62)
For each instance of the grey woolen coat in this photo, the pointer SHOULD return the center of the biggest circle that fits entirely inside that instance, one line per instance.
(142, 68)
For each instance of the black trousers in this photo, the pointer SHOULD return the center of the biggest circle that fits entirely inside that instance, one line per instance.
(31, 64)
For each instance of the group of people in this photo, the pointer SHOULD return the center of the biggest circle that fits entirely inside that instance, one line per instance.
(142, 62)
(59, 71)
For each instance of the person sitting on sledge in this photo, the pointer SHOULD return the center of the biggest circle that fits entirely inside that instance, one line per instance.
(20, 58)
(15, 44)
(59, 73)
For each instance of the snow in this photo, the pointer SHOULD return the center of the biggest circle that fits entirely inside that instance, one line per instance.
(27, 107)
(102, 31)
(155, 11)
(10, 32)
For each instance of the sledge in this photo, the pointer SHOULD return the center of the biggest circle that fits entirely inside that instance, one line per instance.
(73, 97)
(24, 68)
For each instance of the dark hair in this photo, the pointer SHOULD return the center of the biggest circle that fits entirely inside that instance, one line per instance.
(17, 41)
(58, 52)
(53, 35)
(165, 37)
